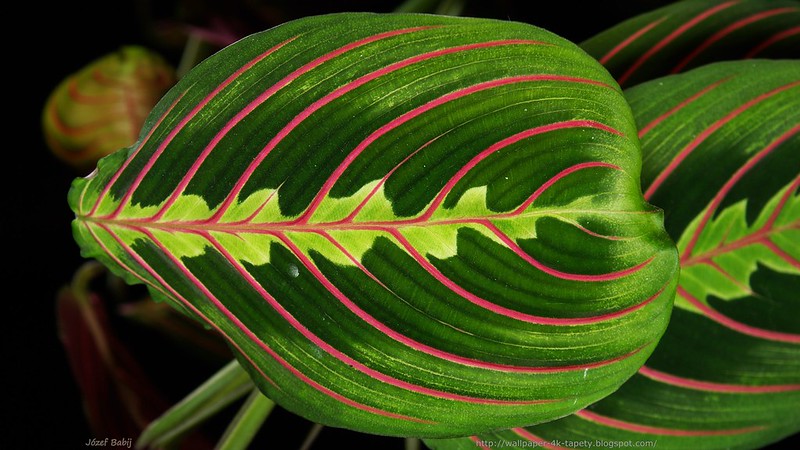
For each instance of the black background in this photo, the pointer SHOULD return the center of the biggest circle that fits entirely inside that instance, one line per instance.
(41, 402)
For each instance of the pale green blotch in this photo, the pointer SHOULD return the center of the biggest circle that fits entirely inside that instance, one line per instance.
(266, 199)
(472, 204)
(441, 241)
(336, 209)
(357, 242)
(137, 211)
(187, 208)
(181, 244)
(252, 248)
(307, 242)
(519, 227)
(377, 209)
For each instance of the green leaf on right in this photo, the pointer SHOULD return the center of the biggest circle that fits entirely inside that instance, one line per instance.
(688, 34)
(721, 151)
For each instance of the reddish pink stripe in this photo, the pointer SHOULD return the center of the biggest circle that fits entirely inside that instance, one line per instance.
(646, 129)
(460, 359)
(706, 133)
(178, 297)
(557, 177)
(357, 209)
(557, 273)
(779, 207)
(777, 37)
(503, 311)
(479, 442)
(344, 358)
(671, 37)
(119, 261)
(690, 383)
(738, 326)
(539, 442)
(419, 111)
(728, 30)
(174, 132)
(130, 158)
(781, 254)
(340, 92)
(629, 40)
(637, 428)
(422, 347)
(505, 143)
(261, 344)
(263, 97)
(738, 175)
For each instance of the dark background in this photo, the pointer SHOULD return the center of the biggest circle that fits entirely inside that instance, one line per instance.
(42, 404)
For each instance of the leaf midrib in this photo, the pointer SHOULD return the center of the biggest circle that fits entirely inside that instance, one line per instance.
(293, 226)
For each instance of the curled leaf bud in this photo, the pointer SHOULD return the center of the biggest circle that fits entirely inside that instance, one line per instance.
(101, 108)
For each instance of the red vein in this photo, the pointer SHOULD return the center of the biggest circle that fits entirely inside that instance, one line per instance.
(727, 322)
(671, 37)
(339, 355)
(352, 85)
(686, 151)
(263, 97)
(781, 254)
(556, 178)
(178, 297)
(505, 143)
(557, 273)
(709, 386)
(336, 175)
(188, 275)
(647, 429)
(121, 263)
(629, 40)
(647, 128)
(729, 277)
(716, 37)
(479, 442)
(538, 442)
(350, 217)
(399, 337)
(735, 178)
(186, 119)
(777, 37)
(130, 157)
(770, 223)
(507, 312)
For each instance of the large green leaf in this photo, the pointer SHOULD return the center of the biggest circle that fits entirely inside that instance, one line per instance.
(403, 224)
(722, 155)
(691, 33)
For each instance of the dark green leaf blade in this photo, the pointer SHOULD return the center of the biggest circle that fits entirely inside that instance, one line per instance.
(689, 34)
(403, 224)
(725, 164)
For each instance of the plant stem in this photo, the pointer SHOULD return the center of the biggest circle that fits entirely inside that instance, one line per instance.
(226, 386)
(417, 6)
(244, 427)
(451, 7)
(311, 436)
(412, 444)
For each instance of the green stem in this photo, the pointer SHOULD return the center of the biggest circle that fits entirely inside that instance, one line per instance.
(248, 421)
(417, 6)
(451, 7)
(412, 444)
(226, 386)
(190, 55)
(311, 437)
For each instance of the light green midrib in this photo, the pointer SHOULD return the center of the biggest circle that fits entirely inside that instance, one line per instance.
(742, 242)
(288, 226)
